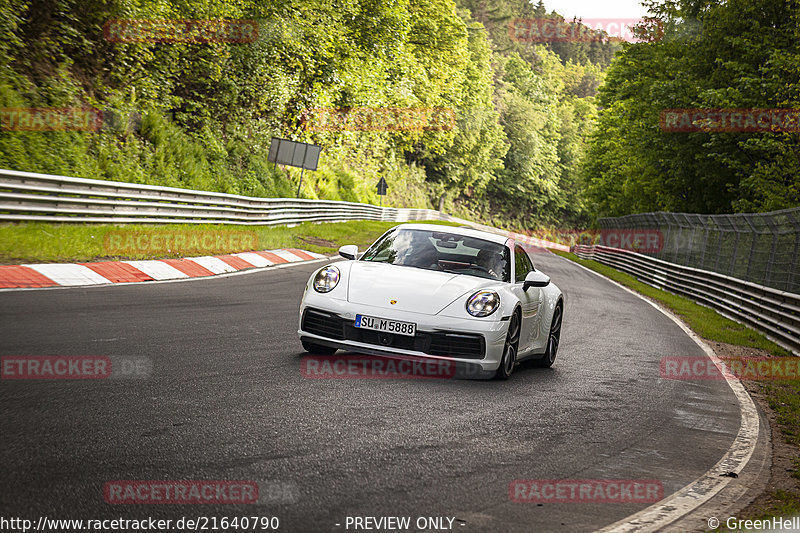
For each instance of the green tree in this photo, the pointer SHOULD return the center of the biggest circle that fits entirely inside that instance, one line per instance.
(740, 54)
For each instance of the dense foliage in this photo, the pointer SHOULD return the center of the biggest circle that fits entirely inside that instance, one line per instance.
(731, 55)
(528, 146)
(203, 114)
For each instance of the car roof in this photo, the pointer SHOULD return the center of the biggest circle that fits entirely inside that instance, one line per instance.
(469, 232)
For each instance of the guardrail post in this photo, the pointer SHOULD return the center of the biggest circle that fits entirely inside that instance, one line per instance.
(793, 266)
(721, 232)
(754, 233)
(701, 264)
(771, 260)
(732, 267)
(677, 238)
(663, 252)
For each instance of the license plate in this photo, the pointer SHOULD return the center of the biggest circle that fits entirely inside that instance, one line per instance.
(383, 324)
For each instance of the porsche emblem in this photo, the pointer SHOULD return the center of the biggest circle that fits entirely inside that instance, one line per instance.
(392, 302)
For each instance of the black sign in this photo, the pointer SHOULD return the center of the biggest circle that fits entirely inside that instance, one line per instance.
(382, 187)
(296, 154)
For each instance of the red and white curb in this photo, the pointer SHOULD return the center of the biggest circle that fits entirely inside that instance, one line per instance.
(106, 272)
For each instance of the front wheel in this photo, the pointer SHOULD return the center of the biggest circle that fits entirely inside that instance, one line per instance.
(509, 360)
(553, 339)
(317, 349)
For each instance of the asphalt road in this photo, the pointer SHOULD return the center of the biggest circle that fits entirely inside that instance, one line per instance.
(226, 401)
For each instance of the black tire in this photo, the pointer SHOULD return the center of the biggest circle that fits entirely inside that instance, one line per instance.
(317, 349)
(553, 339)
(509, 360)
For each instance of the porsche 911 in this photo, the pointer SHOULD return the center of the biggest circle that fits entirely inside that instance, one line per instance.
(432, 291)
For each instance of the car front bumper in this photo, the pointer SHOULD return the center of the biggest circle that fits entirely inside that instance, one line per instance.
(491, 331)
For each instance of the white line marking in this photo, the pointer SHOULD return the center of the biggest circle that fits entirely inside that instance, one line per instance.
(289, 256)
(214, 264)
(70, 275)
(157, 269)
(705, 487)
(254, 259)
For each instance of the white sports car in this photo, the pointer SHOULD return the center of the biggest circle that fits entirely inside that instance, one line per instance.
(437, 292)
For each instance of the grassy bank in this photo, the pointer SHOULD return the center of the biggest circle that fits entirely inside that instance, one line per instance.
(782, 397)
(42, 243)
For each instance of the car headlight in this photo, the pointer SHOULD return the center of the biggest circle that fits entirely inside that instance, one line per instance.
(326, 279)
(483, 303)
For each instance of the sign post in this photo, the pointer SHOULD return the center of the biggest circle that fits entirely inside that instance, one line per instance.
(296, 154)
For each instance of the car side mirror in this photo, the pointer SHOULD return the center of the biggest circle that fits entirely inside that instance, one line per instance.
(349, 251)
(535, 279)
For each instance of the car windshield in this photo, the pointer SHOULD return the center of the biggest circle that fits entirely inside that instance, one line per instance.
(440, 250)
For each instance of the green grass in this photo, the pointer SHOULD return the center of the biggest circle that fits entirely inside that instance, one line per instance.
(41, 242)
(785, 504)
(783, 397)
(704, 321)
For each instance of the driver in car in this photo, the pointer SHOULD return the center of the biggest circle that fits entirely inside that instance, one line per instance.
(492, 262)
(422, 253)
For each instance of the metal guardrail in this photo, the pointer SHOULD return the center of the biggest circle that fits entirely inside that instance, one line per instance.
(25, 196)
(774, 312)
(759, 247)
(29, 197)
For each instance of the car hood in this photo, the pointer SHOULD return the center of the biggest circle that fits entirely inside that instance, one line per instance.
(413, 289)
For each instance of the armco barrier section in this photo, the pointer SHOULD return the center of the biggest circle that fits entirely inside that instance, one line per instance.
(773, 312)
(760, 247)
(26, 196)
(29, 197)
